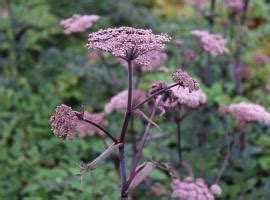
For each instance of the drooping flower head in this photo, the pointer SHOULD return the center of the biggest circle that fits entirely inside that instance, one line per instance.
(190, 99)
(78, 23)
(64, 122)
(128, 43)
(86, 129)
(185, 80)
(212, 43)
(247, 112)
(118, 102)
(157, 86)
(154, 57)
(190, 189)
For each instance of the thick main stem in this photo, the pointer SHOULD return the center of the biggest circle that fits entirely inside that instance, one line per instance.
(141, 144)
(124, 131)
(238, 54)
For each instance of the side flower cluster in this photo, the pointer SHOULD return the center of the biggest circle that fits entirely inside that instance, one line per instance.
(247, 112)
(78, 23)
(212, 43)
(190, 189)
(66, 124)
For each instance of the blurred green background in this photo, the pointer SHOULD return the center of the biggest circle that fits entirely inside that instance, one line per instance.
(42, 67)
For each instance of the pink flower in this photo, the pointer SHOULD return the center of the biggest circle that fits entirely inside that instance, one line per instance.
(216, 189)
(128, 43)
(118, 102)
(261, 59)
(212, 43)
(185, 80)
(86, 129)
(190, 99)
(155, 58)
(188, 189)
(3, 13)
(78, 23)
(247, 112)
(179, 42)
(234, 5)
(189, 55)
(64, 122)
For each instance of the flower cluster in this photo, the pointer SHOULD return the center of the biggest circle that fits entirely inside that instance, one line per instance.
(155, 58)
(234, 5)
(190, 99)
(78, 23)
(178, 43)
(188, 189)
(185, 80)
(247, 112)
(118, 102)
(212, 43)
(128, 43)
(64, 122)
(86, 129)
(261, 59)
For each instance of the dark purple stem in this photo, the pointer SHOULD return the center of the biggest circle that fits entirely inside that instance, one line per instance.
(211, 21)
(238, 54)
(80, 116)
(141, 144)
(227, 157)
(124, 131)
(153, 95)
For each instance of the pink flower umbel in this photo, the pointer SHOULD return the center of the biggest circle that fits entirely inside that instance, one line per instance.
(189, 189)
(128, 43)
(212, 43)
(247, 112)
(86, 129)
(118, 102)
(64, 122)
(190, 99)
(78, 23)
(185, 80)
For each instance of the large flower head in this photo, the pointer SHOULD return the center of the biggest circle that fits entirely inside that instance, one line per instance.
(189, 189)
(212, 43)
(247, 112)
(118, 102)
(78, 23)
(128, 43)
(64, 122)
